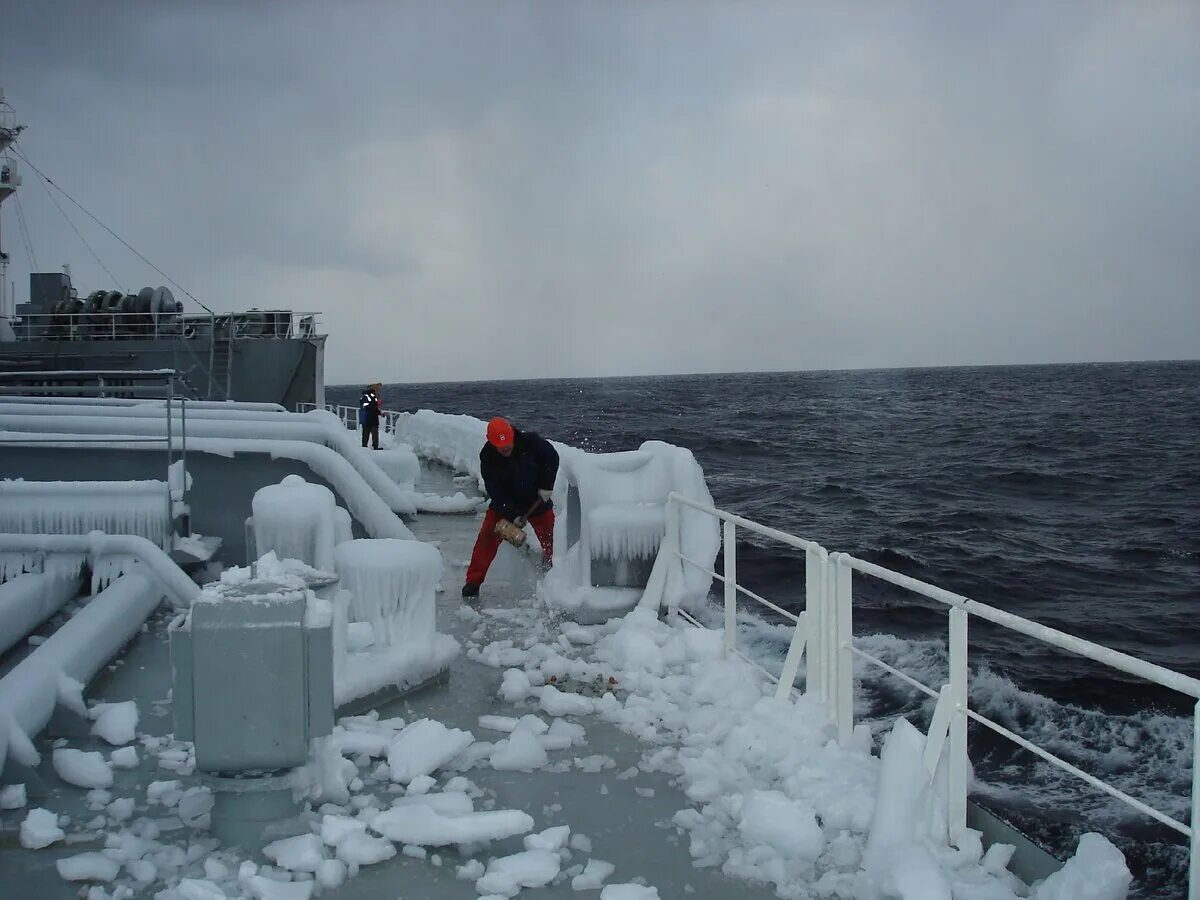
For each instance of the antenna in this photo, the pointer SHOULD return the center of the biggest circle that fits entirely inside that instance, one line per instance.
(10, 180)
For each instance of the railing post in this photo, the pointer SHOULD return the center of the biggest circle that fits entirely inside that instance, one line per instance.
(730, 541)
(183, 442)
(843, 659)
(956, 812)
(1194, 822)
(816, 562)
(170, 450)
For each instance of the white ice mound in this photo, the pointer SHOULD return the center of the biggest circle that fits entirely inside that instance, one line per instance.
(1097, 871)
(296, 520)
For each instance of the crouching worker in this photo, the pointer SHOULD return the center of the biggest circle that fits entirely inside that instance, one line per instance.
(518, 469)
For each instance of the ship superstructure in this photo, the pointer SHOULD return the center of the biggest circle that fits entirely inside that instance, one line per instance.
(256, 355)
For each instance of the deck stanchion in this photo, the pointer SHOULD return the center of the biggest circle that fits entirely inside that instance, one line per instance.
(730, 540)
(957, 794)
(816, 561)
(842, 644)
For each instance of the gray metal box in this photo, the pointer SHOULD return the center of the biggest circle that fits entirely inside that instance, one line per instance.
(252, 683)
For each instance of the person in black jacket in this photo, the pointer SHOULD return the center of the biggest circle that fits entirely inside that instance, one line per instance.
(368, 414)
(518, 469)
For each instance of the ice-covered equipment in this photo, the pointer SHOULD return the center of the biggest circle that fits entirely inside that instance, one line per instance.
(296, 520)
(79, 507)
(392, 586)
(252, 664)
(621, 518)
(610, 545)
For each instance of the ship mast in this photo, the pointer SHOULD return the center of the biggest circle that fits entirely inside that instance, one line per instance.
(9, 182)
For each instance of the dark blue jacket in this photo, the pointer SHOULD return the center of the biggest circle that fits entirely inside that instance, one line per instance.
(513, 482)
(368, 407)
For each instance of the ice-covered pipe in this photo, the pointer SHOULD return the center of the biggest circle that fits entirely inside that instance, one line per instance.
(376, 516)
(58, 670)
(154, 409)
(179, 587)
(302, 427)
(29, 600)
(145, 401)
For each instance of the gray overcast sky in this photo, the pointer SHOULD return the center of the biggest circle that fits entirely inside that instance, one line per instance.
(480, 190)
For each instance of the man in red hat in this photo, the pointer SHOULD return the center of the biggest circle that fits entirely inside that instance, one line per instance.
(518, 469)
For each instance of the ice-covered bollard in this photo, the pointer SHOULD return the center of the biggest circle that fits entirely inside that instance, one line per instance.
(296, 520)
(392, 585)
(253, 684)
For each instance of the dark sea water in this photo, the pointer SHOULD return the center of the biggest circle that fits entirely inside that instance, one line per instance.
(1066, 494)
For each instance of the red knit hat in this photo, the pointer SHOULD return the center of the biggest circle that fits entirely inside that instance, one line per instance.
(499, 433)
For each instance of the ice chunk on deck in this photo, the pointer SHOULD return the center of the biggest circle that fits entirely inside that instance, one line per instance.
(593, 875)
(88, 867)
(423, 825)
(40, 829)
(296, 854)
(423, 747)
(296, 520)
(115, 722)
(508, 874)
(88, 770)
(629, 891)
(392, 586)
(522, 751)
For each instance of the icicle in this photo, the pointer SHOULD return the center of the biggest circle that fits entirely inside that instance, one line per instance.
(78, 507)
(108, 568)
(20, 747)
(70, 694)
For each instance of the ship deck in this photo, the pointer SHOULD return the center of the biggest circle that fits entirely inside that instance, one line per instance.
(632, 830)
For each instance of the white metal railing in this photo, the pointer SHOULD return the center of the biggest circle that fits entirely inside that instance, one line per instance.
(810, 631)
(349, 416)
(100, 383)
(110, 324)
(826, 627)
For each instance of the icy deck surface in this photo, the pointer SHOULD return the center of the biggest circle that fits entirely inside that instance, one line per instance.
(632, 830)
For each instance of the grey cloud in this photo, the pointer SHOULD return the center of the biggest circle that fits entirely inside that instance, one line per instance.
(498, 189)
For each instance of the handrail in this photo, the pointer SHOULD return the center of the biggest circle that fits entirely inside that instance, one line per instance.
(1095, 652)
(829, 605)
(253, 324)
(808, 632)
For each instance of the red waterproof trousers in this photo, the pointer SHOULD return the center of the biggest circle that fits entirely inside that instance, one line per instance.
(488, 542)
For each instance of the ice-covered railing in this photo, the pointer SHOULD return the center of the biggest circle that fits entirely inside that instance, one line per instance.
(126, 422)
(452, 440)
(79, 507)
(825, 630)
